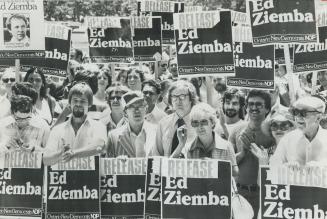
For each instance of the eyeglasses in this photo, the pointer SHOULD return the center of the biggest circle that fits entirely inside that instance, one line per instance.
(258, 105)
(283, 126)
(148, 93)
(196, 123)
(302, 113)
(18, 119)
(180, 97)
(115, 97)
(163, 65)
(37, 80)
(130, 77)
(6, 80)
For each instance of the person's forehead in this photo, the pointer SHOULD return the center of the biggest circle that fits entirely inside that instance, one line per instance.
(256, 99)
(200, 116)
(8, 74)
(116, 93)
(233, 99)
(137, 103)
(34, 75)
(180, 90)
(17, 20)
(148, 87)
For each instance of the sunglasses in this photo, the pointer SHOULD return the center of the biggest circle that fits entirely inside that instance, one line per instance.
(37, 80)
(115, 97)
(258, 105)
(134, 107)
(302, 113)
(6, 80)
(283, 126)
(18, 119)
(164, 65)
(196, 123)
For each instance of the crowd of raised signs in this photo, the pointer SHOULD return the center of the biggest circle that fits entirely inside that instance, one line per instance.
(137, 112)
(148, 109)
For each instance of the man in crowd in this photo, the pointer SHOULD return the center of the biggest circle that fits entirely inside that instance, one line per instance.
(258, 106)
(182, 97)
(17, 26)
(233, 109)
(79, 136)
(173, 67)
(151, 91)
(220, 87)
(306, 145)
(22, 130)
(136, 137)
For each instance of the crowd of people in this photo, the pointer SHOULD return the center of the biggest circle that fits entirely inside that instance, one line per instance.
(134, 111)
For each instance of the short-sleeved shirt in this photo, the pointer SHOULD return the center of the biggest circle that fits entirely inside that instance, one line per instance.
(91, 132)
(36, 133)
(220, 149)
(295, 147)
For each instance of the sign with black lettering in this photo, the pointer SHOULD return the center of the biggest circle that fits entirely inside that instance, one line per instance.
(280, 55)
(152, 208)
(21, 184)
(147, 40)
(194, 188)
(73, 189)
(204, 44)
(22, 28)
(279, 21)
(164, 9)
(57, 48)
(311, 57)
(122, 187)
(293, 193)
(110, 39)
(254, 67)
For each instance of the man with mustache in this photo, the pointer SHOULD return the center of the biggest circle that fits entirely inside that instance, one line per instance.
(79, 136)
(258, 104)
(233, 109)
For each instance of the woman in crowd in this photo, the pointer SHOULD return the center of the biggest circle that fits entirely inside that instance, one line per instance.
(122, 77)
(45, 104)
(104, 81)
(276, 126)
(207, 143)
(7, 80)
(134, 79)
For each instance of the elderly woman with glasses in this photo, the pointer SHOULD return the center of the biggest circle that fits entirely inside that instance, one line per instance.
(207, 143)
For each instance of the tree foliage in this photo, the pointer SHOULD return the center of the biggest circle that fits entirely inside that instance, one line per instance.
(75, 10)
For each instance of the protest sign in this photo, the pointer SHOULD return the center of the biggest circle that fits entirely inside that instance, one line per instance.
(147, 40)
(254, 67)
(57, 48)
(204, 43)
(164, 9)
(152, 205)
(279, 21)
(312, 57)
(193, 8)
(293, 193)
(194, 188)
(110, 39)
(21, 184)
(122, 187)
(279, 53)
(22, 29)
(73, 189)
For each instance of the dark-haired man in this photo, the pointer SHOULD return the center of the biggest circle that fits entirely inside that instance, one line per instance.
(258, 104)
(80, 136)
(151, 91)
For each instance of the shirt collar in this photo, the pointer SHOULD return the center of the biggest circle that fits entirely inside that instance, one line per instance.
(220, 143)
(86, 122)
